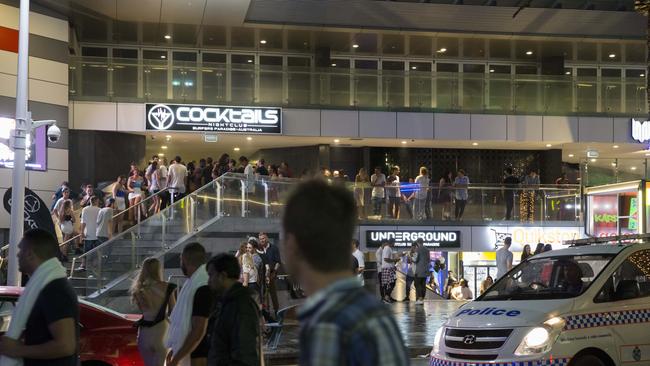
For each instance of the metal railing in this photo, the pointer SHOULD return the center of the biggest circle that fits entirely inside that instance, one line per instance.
(128, 80)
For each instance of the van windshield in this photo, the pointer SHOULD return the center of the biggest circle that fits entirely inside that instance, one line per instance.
(559, 277)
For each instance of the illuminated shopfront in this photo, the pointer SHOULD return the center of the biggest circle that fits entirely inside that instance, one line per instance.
(616, 209)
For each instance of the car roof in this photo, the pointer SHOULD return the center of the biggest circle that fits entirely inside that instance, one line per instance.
(606, 249)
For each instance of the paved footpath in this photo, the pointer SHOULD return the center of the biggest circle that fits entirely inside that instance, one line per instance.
(418, 324)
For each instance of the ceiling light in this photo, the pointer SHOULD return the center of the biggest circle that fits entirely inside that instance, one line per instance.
(355, 46)
(548, 145)
(568, 73)
(612, 55)
(529, 53)
(168, 137)
(491, 70)
(571, 155)
(249, 138)
(336, 141)
(333, 65)
(647, 154)
(164, 147)
(613, 164)
(263, 41)
(442, 50)
(642, 75)
(414, 67)
(161, 154)
(474, 143)
(163, 56)
(403, 142)
(593, 160)
(615, 146)
(250, 61)
(633, 168)
(236, 149)
(167, 36)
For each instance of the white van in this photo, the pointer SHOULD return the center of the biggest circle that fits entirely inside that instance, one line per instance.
(580, 306)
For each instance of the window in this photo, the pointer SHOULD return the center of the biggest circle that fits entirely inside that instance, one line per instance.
(630, 281)
(546, 278)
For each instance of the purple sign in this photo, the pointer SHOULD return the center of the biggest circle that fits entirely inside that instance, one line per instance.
(36, 153)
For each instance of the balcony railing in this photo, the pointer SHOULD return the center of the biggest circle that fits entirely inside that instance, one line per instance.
(127, 80)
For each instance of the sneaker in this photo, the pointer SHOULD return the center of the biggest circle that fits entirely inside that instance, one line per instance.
(419, 302)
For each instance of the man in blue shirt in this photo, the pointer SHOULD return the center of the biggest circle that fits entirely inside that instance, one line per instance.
(460, 184)
(341, 323)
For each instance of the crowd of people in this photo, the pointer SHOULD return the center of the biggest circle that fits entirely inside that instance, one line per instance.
(215, 317)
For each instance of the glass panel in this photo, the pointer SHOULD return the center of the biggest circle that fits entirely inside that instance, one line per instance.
(125, 72)
(214, 35)
(365, 83)
(557, 94)
(500, 88)
(420, 84)
(587, 51)
(526, 50)
(586, 91)
(500, 49)
(473, 87)
(635, 98)
(299, 40)
(184, 75)
(214, 77)
(393, 44)
(336, 41)
(367, 43)
(420, 45)
(474, 48)
(635, 52)
(241, 37)
(299, 79)
(447, 47)
(447, 86)
(336, 83)
(94, 77)
(611, 94)
(270, 39)
(243, 78)
(271, 79)
(393, 87)
(527, 89)
(610, 52)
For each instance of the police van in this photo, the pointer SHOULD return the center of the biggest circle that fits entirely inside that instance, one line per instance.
(586, 305)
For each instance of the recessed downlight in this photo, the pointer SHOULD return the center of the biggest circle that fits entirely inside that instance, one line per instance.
(336, 141)
(529, 53)
(612, 55)
(355, 46)
(474, 143)
(167, 36)
(633, 168)
(249, 138)
(442, 50)
(164, 147)
(333, 64)
(548, 145)
(263, 41)
(615, 146)
(571, 155)
(403, 142)
(236, 149)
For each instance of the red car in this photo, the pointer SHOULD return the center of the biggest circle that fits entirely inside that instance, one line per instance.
(107, 338)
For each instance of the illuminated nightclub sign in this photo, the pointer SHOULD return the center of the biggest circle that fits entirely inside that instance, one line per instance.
(640, 130)
(404, 238)
(200, 118)
(36, 152)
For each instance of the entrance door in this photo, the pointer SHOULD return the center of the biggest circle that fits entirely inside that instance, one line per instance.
(475, 275)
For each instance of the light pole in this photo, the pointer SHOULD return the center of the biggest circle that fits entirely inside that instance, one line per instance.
(23, 126)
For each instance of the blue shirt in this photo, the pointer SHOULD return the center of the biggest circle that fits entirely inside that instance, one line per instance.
(461, 193)
(344, 324)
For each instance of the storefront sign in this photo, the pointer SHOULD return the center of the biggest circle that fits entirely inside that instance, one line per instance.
(404, 238)
(182, 117)
(640, 130)
(486, 239)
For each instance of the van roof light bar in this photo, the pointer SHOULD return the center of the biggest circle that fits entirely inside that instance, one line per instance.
(616, 239)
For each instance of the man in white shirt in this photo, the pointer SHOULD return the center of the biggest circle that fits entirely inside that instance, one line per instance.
(89, 225)
(394, 192)
(504, 258)
(378, 258)
(388, 270)
(176, 175)
(461, 291)
(378, 182)
(359, 256)
(58, 206)
(105, 221)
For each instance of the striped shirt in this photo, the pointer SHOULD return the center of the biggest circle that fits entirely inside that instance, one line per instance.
(344, 324)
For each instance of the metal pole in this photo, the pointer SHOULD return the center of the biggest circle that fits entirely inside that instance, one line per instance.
(23, 126)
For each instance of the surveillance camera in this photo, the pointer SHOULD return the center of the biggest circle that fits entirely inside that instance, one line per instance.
(53, 134)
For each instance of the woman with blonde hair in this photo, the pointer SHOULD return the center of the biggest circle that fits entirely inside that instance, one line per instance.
(156, 299)
(249, 271)
(361, 181)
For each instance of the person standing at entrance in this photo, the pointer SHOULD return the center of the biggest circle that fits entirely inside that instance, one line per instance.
(421, 271)
(377, 182)
(176, 175)
(510, 182)
(44, 324)
(504, 258)
(394, 193)
(527, 206)
(461, 183)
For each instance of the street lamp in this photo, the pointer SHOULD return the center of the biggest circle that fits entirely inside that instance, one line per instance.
(24, 126)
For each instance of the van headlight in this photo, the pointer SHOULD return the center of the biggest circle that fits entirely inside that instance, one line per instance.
(437, 340)
(540, 339)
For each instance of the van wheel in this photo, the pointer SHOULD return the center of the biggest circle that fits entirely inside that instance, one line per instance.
(588, 360)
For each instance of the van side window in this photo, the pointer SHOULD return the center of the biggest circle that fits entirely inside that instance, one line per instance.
(631, 279)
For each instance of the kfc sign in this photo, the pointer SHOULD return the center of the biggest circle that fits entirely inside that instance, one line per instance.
(181, 117)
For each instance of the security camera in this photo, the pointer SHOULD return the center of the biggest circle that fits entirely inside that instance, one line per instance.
(53, 134)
